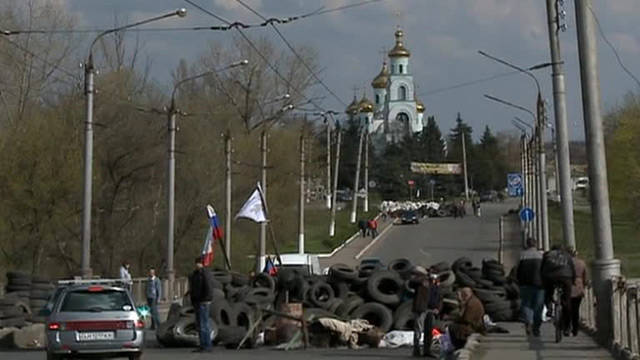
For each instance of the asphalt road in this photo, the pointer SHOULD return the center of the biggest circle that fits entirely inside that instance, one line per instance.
(446, 239)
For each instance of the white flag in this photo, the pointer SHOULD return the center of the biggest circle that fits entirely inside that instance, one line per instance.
(253, 208)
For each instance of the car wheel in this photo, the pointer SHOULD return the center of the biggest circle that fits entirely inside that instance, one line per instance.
(137, 356)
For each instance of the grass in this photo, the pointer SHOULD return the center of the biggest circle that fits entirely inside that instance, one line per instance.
(626, 238)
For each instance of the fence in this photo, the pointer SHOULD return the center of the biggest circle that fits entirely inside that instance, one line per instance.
(625, 316)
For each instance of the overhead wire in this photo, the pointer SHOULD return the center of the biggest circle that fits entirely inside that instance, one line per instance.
(293, 50)
(468, 83)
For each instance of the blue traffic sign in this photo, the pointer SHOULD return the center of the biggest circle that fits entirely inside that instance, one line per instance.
(527, 214)
(514, 185)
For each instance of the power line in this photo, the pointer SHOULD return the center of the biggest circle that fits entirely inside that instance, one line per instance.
(468, 83)
(615, 52)
(255, 48)
(293, 50)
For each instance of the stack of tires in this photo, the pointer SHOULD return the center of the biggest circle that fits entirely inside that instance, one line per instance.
(499, 294)
(41, 290)
(14, 307)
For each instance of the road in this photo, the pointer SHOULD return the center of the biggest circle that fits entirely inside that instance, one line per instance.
(446, 239)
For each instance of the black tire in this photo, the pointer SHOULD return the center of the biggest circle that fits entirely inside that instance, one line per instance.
(37, 304)
(297, 289)
(441, 266)
(340, 289)
(474, 273)
(320, 294)
(463, 280)
(222, 313)
(18, 288)
(496, 278)
(238, 279)
(497, 306)
(348, 306)
(260, 296)
(484, 283)
(442, 213)
(462, 264)
(231, 336)
(488, 296)
(222, 276)
(244, 315)
(341, 272)
(43, 286)
(187, 311)
(376, 314)
(557, 322)
(402, 267)
(334, 304)
(265, 281)
(237, 294)
(10, 312)
(512, 290)
(184, 332)
(447, 278)
(17, 321)
(367, 269)
(492, 264)
(504, 315)
(218, 294)
(403, 317)
(174, 312)
(385, 287)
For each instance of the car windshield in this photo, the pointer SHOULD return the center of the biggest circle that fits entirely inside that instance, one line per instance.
(410, 214)
(96, 301)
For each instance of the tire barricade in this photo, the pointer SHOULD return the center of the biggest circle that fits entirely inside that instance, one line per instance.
(25, 297)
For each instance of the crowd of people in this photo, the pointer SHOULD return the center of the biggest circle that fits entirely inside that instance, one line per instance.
(539, 275)
(368, 227)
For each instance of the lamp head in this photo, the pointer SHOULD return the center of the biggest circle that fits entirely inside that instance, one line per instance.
(182, 12)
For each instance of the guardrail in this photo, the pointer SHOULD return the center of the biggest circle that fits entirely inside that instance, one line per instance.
(624, 341)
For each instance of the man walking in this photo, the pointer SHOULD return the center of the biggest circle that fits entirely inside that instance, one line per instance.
(577, 290)
(558, 271)
(362, 224)
(373, 228)
(154, 291)
(201, 294)
(427, 304)
(529, 275)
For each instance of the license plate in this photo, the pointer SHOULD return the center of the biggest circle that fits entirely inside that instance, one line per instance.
(96, 336)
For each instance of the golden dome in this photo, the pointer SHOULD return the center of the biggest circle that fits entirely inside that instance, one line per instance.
(365, 105)
(419, 106)
(399, 50)
(381, 81)
(353, 107)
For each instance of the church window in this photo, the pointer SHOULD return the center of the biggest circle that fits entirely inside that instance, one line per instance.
(402, 93)
(401, 68)
(377, 99)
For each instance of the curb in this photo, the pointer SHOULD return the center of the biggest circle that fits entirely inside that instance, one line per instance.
(374, 241)
(347, 242)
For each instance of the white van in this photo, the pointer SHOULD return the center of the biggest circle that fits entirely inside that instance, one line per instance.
(308, 263)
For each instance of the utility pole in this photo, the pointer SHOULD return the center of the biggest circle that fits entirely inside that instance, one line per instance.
(262, 247)
(555, 163)
(171, 183)
(301, 203)
(605, 266)
(544, 209)
(562, 131)
(332, 225)
(366, 172)
(89, 72)
(354, 208)
(227, 220)
(464, 164)
(328, 195)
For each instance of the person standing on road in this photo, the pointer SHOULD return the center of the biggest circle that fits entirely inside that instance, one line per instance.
(529, 276)
(558, 271)
(362, 224)
(201, 294)
(153, 292)
(427, 299)
(577, 290)
(373, 228)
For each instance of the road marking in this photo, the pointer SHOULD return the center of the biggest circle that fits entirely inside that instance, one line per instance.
(357, 257)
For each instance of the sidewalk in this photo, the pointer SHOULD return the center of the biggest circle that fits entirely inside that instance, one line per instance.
(347, 255)
(516, 345)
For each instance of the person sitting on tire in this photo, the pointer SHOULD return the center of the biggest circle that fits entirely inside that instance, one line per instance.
(471, 321)
(201, 294)
(558, 271)
(427, 304)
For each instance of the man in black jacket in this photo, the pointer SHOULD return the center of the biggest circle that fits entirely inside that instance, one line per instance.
(201, 294)
(427, 303)
(558, 271)
(529, 273)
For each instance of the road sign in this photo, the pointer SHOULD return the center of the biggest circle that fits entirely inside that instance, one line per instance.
(372, 184)
(514, 185)
(527, 214)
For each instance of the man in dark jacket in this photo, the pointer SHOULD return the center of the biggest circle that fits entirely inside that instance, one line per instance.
(427, 300)
(201, 294)
(558, 271)
(529, 276)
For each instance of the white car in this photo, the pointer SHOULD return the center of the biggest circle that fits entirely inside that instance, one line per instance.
(582, 183)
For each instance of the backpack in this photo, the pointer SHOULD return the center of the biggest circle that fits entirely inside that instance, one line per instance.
(555, 260)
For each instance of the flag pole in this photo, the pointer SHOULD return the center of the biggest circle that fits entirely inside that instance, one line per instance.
(222, 243)
(273, 235)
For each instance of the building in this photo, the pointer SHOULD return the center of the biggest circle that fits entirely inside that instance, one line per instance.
(395, 111)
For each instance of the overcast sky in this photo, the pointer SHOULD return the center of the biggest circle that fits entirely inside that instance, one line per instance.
(442, 35)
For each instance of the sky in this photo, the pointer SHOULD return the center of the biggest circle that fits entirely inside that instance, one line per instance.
(444, 37)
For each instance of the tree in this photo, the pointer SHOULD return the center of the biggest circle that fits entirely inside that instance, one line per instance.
(432, 144)
(454, 147)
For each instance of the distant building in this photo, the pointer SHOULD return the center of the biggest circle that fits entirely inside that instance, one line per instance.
(395, 112)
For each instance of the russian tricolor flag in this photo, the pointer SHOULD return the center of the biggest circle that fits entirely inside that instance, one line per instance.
(214, 233)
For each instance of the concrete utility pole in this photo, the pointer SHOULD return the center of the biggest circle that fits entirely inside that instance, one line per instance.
(562, 132)
(354, 207)
(262, 245)
(301, 203)
(544, 209)
(332, 224)
(328, 195)
(89, 73)
(171, 188)
(228, 216)
(556, 176)
(605, 266)
(366, 173)
(464, 165)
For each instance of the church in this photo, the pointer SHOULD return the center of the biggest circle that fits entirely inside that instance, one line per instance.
(395, 111)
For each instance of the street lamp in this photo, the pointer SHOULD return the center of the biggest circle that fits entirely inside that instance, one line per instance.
(89, 72)
(328, 123)
(171, 162)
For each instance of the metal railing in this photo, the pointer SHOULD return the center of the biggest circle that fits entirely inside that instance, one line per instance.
(624, 341)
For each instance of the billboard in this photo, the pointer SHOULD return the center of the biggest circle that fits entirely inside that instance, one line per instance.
(436, 168)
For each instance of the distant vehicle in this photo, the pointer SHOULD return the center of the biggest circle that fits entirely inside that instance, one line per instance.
(490, 196)
(409, 217)
(344, 195)
(375, 261)
(93, 318)
(582, 183)
(307, 264)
